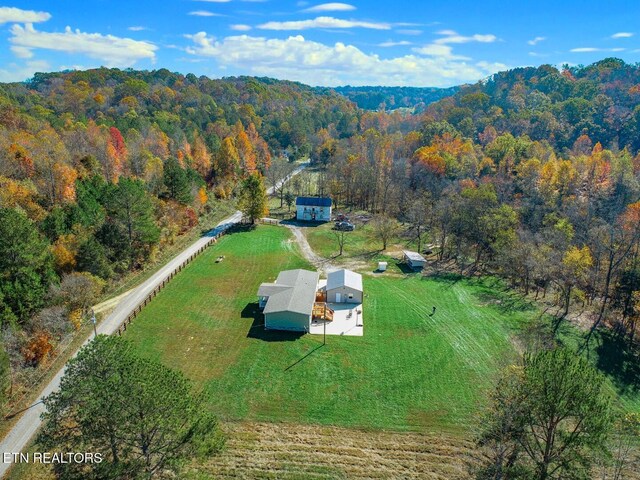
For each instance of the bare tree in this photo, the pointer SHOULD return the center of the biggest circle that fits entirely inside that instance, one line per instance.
(341, 237)
(278, 171)
(384, 228)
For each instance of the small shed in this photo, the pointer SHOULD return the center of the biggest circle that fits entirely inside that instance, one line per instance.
(414, 259)
(344, 286)
(313, 209)
(382, 266)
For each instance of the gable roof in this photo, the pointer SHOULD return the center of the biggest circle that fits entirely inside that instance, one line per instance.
(297, 292)
(314, 201)
(414, 256)
(344, 278)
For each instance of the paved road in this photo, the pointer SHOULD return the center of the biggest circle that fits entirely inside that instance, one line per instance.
(23, 431)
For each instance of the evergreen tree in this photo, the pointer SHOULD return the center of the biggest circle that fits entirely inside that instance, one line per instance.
(130, 209)
(25, 266)
(253, 197)
(140, 415)
(177, 182)
(548, 420)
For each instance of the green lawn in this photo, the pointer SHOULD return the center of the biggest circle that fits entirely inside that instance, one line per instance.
(409, 371)
(361, 244)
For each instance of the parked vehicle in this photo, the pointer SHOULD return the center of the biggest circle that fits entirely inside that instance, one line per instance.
(345, 226)
(342, 218)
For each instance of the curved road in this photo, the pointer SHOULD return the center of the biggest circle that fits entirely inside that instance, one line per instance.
(23, 431)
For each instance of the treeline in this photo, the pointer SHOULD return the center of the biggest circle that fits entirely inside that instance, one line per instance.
(391, 98)
(100, 170)
(547, 104)
(556, 214)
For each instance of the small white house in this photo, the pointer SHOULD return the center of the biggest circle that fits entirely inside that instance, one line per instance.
(344, 286)
(414, 259)
(313, 209)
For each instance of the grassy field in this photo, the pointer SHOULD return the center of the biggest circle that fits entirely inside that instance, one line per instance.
(410, 371)
(360, 245)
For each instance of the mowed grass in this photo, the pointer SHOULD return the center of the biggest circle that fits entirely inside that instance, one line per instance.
(410, 371)
(360, 244)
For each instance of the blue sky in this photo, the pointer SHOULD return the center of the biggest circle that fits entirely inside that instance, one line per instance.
(398, 42)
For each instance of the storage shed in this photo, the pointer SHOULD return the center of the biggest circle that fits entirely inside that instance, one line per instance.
(414, 259)
(313, 209)
(344, 286)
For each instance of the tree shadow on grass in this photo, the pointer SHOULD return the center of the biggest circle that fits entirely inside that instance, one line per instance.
(616, 359)
(257, 330)
(240, 228)
(445, 277)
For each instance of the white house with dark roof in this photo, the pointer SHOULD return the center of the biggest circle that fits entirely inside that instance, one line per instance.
(313, 209)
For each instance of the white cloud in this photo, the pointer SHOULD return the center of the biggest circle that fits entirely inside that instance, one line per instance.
(314, 63)
(409, 31)
(536, 40)
(452, 37)
(113, 51)
(16, 15)
(391, 43)
(323, 22)
(240, 27)
(205, 13)
(441, 46)
(137, 28)
(622, 35)
(20, 73)
(595, 49)
(331, 7)
(435, 50)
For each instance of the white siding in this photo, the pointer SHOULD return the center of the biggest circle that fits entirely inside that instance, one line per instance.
(356, 295)
(309, 213)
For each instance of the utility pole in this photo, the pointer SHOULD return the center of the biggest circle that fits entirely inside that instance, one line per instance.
(94, 321)
(324, 338)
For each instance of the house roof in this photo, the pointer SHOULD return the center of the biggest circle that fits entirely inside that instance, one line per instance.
(414, 256)
(344, 278)
(314, 201)
(268, 289)
(298, 292)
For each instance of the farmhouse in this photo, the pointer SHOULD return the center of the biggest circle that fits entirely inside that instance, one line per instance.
(313, 209)
(300, 301)
(414, 259)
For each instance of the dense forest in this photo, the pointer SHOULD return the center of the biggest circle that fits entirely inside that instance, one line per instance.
(390, 98)
(101, 170)
(532, 175)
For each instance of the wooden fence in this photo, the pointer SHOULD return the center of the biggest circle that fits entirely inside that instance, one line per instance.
(123, 326)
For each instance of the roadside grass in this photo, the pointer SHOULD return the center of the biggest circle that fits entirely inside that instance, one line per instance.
(28, 394)
(410, 371)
